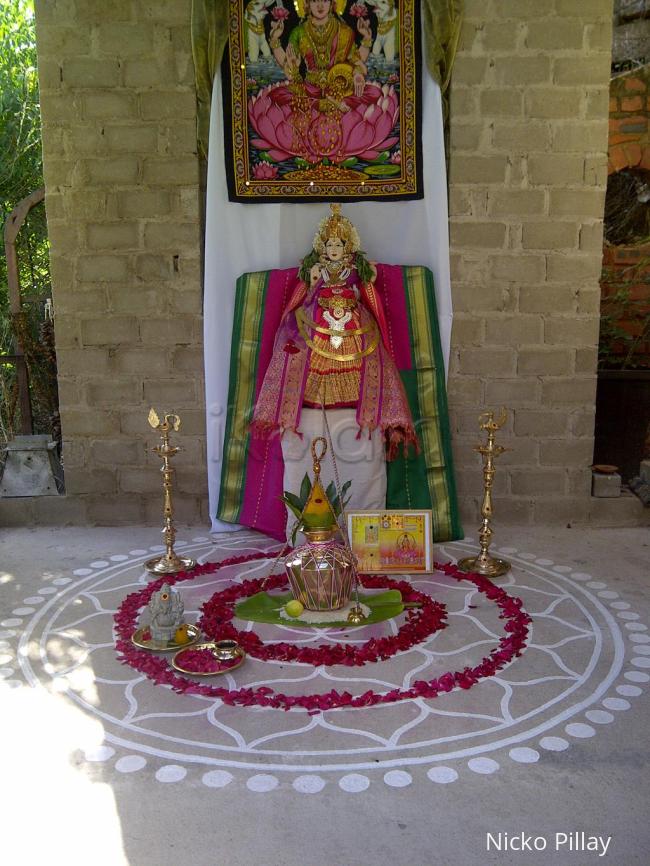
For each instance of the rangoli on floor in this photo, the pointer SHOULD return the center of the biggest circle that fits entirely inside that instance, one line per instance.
(587, 658)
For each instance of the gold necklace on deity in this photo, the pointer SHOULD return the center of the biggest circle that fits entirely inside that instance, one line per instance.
(337, 270)
(333, 268)
(320, 39)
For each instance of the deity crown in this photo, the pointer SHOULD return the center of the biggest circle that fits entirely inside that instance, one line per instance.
(302, 4)
(337, 226)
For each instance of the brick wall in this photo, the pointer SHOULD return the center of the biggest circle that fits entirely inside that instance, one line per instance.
(121, 174)
(625, 286)
(629, 104)
(528, 173)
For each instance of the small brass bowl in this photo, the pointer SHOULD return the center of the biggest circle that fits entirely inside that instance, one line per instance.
(238, 659)
(226, 650)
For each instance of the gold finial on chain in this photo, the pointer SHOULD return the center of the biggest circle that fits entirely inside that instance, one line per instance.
(483, 563)
(315, 456)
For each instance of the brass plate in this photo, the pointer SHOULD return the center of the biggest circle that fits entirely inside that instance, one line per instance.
(494, 568)
(157, 646)
(207, 646)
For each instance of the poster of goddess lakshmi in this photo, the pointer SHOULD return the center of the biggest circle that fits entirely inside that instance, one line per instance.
(322, 98)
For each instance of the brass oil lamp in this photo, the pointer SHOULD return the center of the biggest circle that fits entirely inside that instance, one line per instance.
(484, 563)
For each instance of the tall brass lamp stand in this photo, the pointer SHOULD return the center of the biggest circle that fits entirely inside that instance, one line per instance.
(483, 563)
(169, 562)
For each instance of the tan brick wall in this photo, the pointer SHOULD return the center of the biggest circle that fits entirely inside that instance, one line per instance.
(528, 174)
(122, 183)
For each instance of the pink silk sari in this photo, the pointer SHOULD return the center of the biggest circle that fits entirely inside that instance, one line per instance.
(281, 379)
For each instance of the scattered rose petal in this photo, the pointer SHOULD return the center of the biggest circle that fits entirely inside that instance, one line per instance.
(218, 612)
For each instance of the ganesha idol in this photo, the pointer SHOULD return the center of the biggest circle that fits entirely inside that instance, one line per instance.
(331, 372)
(325, 112)
(348, 350)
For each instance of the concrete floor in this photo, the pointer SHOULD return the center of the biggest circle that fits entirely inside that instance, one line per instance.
(84, 787)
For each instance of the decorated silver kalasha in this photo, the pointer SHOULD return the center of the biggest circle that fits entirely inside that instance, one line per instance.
(321, 571)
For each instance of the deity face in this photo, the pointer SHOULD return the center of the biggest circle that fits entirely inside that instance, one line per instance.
(334, 249)
(319, 10)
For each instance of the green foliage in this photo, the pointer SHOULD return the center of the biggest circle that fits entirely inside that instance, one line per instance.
(306, 265)
(621, 348)
(21, 169)
(21, 172)
(363, 266)
(305, 489)
(625, 322)
(296, 504)
(332, 495)
(263, 607)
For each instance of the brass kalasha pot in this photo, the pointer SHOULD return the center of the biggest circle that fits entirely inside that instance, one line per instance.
(320, 571)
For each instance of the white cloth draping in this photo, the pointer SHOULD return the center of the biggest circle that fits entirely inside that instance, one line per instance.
(255, 237)
(359, 460)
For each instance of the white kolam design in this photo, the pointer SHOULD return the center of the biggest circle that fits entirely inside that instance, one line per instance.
(587, 660)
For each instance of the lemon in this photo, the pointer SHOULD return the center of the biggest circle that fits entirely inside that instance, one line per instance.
(294, 607)
(181, 635)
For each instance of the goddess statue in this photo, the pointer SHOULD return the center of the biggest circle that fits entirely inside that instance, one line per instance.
(346, 349)
(331, 355)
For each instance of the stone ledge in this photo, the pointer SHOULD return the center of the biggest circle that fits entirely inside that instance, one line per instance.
(625, 510)
(93, 510)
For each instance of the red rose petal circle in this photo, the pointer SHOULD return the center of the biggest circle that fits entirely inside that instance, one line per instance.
(157, 669)
(420, 624)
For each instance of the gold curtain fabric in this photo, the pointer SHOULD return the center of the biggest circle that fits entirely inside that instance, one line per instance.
(441, 21)
(209, 37)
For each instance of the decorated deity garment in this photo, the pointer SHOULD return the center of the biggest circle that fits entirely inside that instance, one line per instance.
(331, 348)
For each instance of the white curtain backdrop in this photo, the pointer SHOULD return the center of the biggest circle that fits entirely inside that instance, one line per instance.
(256, 237)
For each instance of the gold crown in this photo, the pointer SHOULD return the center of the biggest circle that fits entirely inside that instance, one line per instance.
(300, 6)
(337, 226)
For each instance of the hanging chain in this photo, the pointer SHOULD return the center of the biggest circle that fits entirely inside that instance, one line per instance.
(337, 484)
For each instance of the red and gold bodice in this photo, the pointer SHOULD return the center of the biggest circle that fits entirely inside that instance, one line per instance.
(340, 332)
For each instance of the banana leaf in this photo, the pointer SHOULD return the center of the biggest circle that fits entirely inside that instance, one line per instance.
(263, 607)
